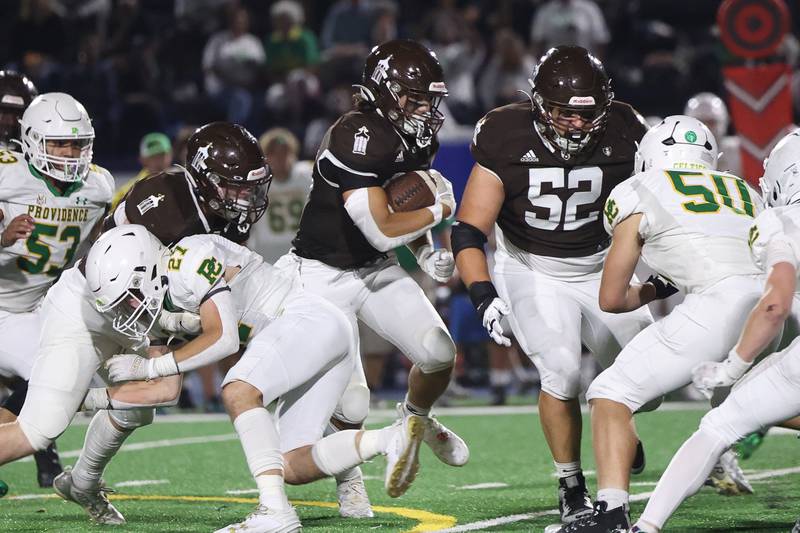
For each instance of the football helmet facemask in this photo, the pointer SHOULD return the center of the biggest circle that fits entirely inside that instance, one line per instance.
(571, 96)
(405, 83)
(231, 172)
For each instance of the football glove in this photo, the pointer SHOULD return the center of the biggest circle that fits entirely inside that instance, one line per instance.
(491, 308)
(437, 263)
(444, 191)
(712, 375)
(134, 367)
(180, 322)
(664, 289)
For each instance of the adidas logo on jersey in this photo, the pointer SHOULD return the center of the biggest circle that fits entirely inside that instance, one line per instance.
(529, 157)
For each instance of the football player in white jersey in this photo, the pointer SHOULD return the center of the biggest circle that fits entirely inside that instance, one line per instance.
(51, 199)
(291, 182)
(689, 223)
(770, 393)
(242, 300)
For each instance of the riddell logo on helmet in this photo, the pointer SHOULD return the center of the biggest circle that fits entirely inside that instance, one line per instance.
(581, 100)
(437, 86)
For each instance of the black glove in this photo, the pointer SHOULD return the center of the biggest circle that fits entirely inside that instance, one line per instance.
(663, 289)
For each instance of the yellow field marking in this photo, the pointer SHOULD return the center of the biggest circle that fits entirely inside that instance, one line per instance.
(426, 521)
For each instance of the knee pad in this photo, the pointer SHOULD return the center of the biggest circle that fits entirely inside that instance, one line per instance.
(45, 415)
(131, 419)
(717, 422)
(613, 385)
(38, 439)
(561, 380)
(439, 351)
(353, 406)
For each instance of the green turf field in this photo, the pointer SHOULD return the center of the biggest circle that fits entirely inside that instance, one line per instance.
(197, 477)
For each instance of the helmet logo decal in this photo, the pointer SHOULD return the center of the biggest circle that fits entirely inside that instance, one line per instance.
(199, 159)
(690, 136)
(13, 99)
(151, 202)
(607, 151)
(581, 100)
(360, 140)
(381, 71)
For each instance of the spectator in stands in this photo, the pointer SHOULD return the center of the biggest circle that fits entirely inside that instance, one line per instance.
(155, 156)
(290, 45)
(38, 40)
(507, 72)
(384, 26)
(576, 22)
(347, 28)
(232, 62)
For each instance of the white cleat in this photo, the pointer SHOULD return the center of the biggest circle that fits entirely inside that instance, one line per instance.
(94, 501)
(727, 477)
(353, 499)
(445, 444)
(402, 455)
(264, 520)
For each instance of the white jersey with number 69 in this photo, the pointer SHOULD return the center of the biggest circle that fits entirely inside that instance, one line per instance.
(694, 224)
(63, 223)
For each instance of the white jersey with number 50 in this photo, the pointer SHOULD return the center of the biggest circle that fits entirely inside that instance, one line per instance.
(694, 224)
(197, 268)
(63, 224)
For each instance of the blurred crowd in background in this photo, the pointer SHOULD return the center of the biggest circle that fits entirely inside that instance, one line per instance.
(150, 71)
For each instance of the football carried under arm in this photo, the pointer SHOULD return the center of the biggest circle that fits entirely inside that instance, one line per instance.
(617, 293)
(483, 198)
(385, 230)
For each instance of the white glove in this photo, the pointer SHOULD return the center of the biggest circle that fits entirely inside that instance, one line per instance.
(444, 191)
(492, 316)
(180, 322)
(438, 264)
(134, 367)
(710, 375)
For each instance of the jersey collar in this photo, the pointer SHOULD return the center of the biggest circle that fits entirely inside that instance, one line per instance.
(71, 188)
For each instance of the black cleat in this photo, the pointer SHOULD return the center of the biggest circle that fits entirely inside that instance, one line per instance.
(48, 466)
(639, 460)
(601, 521)
(573, 498)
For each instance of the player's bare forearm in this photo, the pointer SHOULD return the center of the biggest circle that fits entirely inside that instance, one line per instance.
(617, 294)
(394, 224)
(767, 317)
(213, 336)
(472, 266)
(153, 393)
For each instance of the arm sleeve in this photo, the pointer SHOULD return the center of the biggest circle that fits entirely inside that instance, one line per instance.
(623, 202)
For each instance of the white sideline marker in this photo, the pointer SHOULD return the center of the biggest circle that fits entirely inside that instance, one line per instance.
(480, 486)
(141, 482)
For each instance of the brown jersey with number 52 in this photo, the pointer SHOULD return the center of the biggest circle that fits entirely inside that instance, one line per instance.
(553, 202)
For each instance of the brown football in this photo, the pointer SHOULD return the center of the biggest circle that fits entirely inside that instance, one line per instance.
(410, 191)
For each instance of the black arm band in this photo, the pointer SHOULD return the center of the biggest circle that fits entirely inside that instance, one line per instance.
(482, 293)
(464, 235)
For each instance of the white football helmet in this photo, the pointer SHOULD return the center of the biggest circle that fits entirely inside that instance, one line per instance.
(711, 110)
(57, 116)
(780, 184)
(677, 141)
(126, 276)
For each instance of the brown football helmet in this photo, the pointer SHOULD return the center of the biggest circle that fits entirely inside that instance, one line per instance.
(571, 98)
(16, 93)
(231, 172)
(405, 83)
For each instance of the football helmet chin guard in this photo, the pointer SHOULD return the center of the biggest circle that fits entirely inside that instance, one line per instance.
(57, 117)
(230, 170)
(780, 184)
(677, 141)
(571, 96)
(126, 276)
(405, 83)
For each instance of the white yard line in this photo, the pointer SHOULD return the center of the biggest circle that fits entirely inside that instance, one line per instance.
(501, 520)
(141, 482)
(481, 486)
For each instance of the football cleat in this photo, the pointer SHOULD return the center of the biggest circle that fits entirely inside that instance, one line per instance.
(94, 501)
(265, 520)
(602, 520)
(639, 460)
(727, 477)
(573, 498)
(402, 454)
(446, 445)
(796, 528)
(353, 499)
(48, 466)
(748, 445)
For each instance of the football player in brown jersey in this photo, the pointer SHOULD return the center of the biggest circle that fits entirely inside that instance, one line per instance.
(543, 170)
(343, 249)
(223, 190)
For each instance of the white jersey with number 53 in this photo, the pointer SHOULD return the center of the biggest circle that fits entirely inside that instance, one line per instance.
(694, 224)
(63, 222)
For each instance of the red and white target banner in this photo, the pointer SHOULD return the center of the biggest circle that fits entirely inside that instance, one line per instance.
(759, 95)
